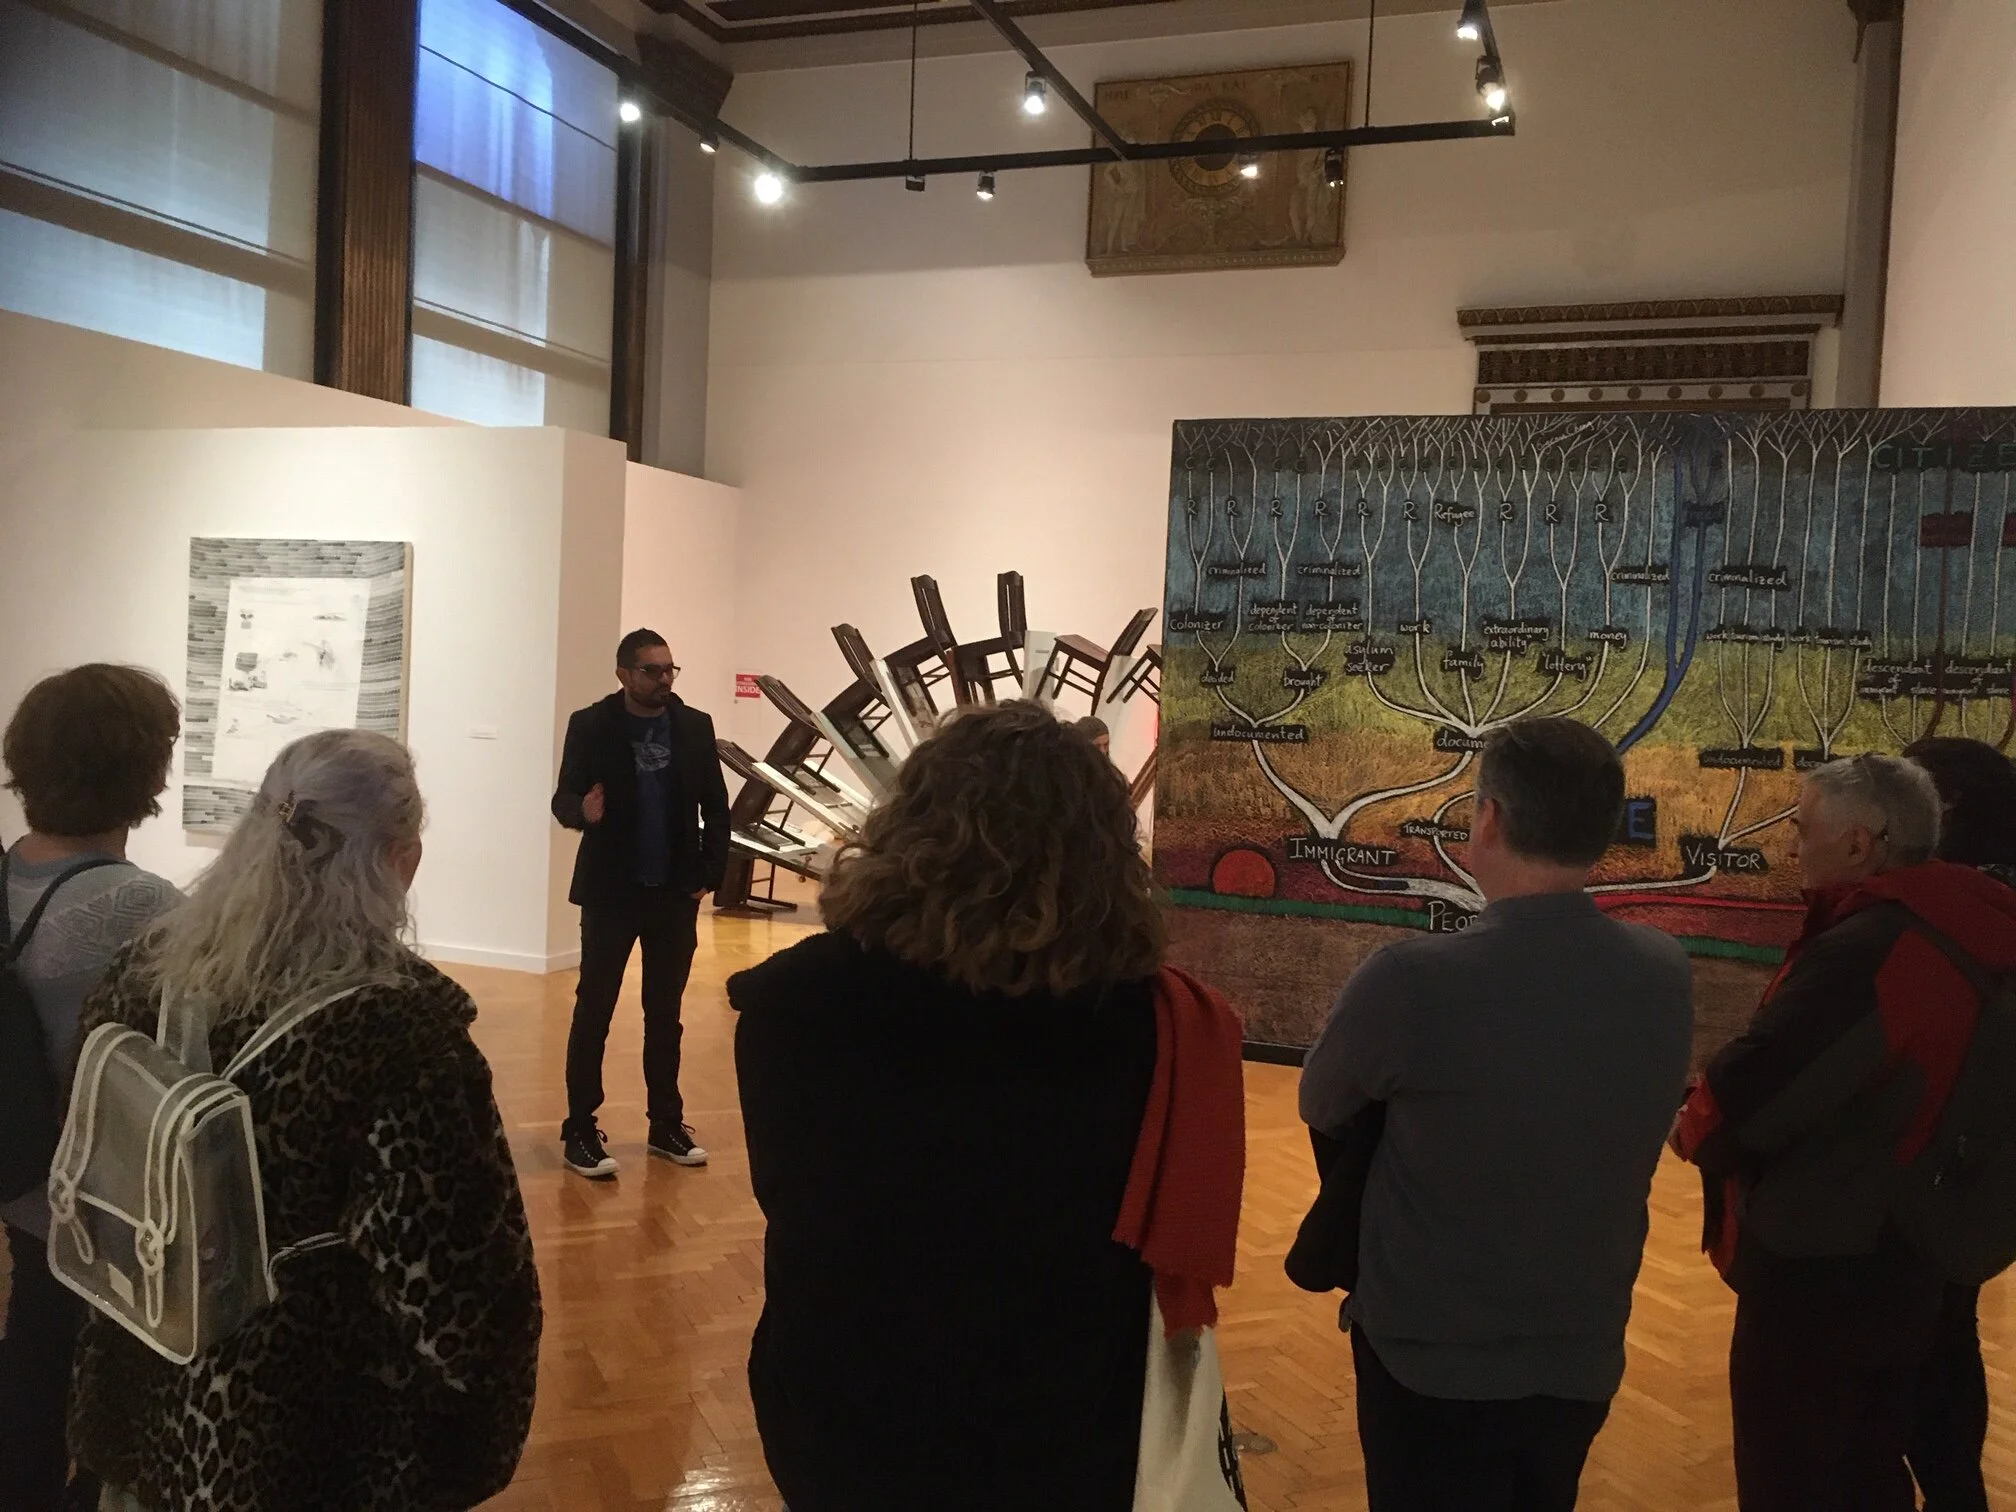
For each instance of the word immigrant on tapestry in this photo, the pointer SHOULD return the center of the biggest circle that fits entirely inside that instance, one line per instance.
(1353, 606)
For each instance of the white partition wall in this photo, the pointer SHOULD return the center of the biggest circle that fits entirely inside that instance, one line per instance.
(679, 579)
(517, 560)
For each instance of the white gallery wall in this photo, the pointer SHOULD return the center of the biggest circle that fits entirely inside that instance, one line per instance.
(679, 579)
(907, 383)
(516, 602)
(1950, 330)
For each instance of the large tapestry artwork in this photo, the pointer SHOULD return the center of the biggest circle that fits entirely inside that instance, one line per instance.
(1190, 214)
(1353, 606)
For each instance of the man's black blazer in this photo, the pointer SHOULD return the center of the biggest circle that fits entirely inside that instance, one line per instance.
(598, 751)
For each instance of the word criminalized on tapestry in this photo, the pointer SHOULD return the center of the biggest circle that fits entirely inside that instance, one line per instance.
(1353, 606)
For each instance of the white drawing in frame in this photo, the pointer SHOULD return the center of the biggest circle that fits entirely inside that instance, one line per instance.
(293, 665)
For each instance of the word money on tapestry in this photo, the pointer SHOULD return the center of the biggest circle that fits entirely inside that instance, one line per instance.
(1353, 606)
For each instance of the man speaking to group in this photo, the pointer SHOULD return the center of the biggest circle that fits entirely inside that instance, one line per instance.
(639, 777)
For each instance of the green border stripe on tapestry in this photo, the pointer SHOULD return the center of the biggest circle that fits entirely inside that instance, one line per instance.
(1407, 918)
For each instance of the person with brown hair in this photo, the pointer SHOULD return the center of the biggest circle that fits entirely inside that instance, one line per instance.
(947, 1097)
(87, 754)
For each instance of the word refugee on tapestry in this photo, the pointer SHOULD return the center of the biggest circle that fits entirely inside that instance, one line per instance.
(1353, 606)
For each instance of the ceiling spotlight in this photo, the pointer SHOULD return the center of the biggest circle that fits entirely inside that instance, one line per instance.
(769, 188)
(629, 112)
(914, 182)
(986, 189)
(710, 142)
(1249, 167)
(1333, 167)
(1491, 83)
(1471, 27)
(1035, 94)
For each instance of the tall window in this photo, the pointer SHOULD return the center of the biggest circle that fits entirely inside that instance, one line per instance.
(514, 227)
(157, 171)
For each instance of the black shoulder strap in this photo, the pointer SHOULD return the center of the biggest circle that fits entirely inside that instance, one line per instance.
(10, 951)
(1979, 977)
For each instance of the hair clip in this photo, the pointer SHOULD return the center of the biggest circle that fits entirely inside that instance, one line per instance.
(286, 809)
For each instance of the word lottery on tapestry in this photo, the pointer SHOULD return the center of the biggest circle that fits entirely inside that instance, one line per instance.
(1353, 606)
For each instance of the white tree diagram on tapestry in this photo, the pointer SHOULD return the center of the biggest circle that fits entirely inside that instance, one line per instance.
(1355, 605)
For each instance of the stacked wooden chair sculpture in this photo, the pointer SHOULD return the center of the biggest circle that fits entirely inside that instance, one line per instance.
(809, 793)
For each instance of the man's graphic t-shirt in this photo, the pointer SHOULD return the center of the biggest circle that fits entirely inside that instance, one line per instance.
(651, 742)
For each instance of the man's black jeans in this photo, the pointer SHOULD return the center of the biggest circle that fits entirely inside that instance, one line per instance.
(1434, 1454)
(665, 921)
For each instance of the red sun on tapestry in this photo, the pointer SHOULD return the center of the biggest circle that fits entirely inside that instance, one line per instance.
(1243, 874)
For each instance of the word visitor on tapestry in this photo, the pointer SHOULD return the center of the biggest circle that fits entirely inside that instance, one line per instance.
(286, 638)
(1353, 606)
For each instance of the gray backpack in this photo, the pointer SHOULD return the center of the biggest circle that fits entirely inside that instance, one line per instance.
(157, 1215)
(1957, 1202)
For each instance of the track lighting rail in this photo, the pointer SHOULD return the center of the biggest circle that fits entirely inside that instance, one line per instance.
(1113, 146)
(1152, 152)
(1081, 107)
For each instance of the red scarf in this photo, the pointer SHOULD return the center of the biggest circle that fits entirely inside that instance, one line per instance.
(1181, 1210)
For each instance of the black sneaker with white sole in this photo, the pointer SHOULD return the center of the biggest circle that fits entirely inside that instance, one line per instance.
(582, 1150)
(674, 1142)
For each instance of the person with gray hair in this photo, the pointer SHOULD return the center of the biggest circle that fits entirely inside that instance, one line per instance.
(1802, 1126)
(1528, 1069)
(395, 1369)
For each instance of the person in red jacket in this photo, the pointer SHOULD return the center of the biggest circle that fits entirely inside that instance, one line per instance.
(1977, 787)
(1803, 1126)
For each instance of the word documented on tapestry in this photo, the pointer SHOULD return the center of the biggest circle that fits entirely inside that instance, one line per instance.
(286, 638)
(1354, 606)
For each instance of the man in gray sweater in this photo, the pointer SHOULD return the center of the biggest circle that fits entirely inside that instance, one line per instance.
(1530, 1070)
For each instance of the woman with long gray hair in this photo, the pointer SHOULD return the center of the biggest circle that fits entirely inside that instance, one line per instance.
(395, 1370)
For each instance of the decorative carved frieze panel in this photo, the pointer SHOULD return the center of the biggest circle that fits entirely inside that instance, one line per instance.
(1697, 354)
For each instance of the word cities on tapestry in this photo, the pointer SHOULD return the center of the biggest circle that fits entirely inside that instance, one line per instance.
(1353, 606)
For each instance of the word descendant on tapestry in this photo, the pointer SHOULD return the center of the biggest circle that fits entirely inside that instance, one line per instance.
(286, 638)
(1353, 606)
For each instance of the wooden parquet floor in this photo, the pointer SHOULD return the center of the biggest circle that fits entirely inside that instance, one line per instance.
(653, 1284)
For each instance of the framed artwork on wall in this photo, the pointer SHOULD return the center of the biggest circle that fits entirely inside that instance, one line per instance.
(286, 638)
(1197, 214)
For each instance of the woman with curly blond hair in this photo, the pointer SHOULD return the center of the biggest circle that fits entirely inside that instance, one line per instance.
(986, 1128)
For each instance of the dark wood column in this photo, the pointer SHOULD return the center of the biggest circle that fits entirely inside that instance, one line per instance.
(364, 229)
(629, 351)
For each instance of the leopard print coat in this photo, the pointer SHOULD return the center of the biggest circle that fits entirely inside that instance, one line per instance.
(394, 1372)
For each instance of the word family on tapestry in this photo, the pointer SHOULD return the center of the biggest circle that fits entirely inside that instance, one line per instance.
(1353, 606)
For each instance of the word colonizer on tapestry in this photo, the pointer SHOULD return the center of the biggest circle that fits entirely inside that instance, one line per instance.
(1353, 606)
